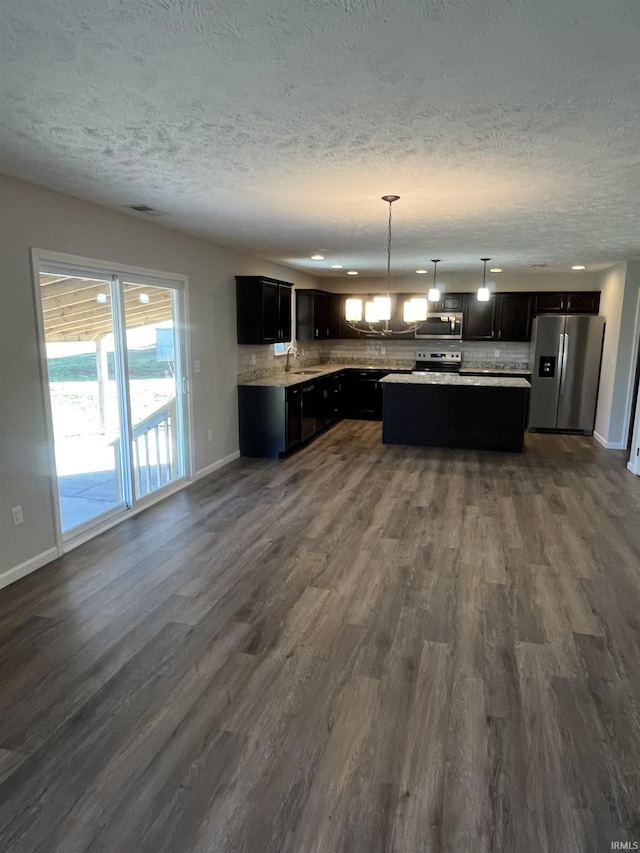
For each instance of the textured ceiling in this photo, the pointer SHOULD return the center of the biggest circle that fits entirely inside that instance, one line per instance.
(510, 129)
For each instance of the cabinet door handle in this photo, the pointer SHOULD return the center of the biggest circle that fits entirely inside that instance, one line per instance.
(499, 333)
(317, 335)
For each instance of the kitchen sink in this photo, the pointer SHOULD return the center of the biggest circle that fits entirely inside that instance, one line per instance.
(305, 372)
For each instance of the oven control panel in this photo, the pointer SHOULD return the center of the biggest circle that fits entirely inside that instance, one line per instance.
(434, 355)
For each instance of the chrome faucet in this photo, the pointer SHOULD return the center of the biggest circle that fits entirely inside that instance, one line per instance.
(290, 351)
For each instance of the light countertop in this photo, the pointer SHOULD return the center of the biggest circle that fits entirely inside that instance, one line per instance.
(319, 371)
(453, 379)
(315, 371)
(508, 371)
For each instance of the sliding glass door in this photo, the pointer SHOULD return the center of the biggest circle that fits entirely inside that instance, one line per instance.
(115, 380)
(153, 359)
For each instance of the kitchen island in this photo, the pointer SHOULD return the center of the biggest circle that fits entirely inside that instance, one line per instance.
(449, 410)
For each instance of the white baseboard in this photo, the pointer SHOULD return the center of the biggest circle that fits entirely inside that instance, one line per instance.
(27, 567)
(203, 472)
(610, 445)
(632, 468)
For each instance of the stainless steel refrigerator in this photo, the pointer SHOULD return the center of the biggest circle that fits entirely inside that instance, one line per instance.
(565, 368)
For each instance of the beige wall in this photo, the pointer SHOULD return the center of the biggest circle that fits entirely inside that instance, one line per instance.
(619, 307)
(467, 282)
(35, 217)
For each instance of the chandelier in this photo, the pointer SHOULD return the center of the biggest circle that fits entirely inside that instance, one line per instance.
(377, 311)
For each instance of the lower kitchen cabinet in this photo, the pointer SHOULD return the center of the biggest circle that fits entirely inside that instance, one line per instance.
(293, 417)
(273, 420)
(362, 395)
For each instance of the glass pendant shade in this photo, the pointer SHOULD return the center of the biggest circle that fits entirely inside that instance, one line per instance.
(383, 307)
(483, 294)
(353, 310)
(371, 314)
(415, 310)
(433, 295)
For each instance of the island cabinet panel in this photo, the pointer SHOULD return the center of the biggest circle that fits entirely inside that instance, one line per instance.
(468, 417)
(478, 321)
(263, 310)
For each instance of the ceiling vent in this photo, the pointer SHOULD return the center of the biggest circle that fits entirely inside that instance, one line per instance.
(146, 210)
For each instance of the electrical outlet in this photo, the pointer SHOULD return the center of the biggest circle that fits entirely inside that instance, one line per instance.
(253, 359)
(209, 435)
(496, 353)
(196, 367)
(17, 515)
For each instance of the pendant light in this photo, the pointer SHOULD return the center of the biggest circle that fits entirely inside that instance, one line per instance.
(434, 292)
(483, 294)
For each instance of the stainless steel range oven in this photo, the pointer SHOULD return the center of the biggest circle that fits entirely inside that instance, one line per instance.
(435, 361)
(445, 325)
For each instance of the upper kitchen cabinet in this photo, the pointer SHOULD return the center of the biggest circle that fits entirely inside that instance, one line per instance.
(448, 302)
(513, 317)
(575, 302)
(316, 315)
(263, 310)
(478, 322)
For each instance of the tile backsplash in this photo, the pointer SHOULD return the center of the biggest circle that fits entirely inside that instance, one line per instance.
(259, 362)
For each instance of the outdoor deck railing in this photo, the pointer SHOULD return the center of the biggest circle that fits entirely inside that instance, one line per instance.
(155, 449)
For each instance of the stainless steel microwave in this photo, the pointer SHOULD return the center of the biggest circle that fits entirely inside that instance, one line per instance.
(445, 325)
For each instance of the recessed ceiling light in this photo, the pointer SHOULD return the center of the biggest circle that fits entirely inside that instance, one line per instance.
(578, 267)
(495, 269)
(317, 257)
(421, 272)
(352, 272)
(336, 266)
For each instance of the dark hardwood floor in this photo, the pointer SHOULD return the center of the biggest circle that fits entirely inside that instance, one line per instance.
(358, 649)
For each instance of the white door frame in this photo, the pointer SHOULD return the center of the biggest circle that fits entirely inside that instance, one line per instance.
(95, 267)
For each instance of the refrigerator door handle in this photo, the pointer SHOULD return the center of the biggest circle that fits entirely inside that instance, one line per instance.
(563, 367)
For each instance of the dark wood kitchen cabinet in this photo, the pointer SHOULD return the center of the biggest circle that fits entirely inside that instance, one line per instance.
(329, 398)
(263, 310)
(362, 393)
(568, 302)
(316, 315)
(272, 419)
(478, 321)
(513, 317)
(448, 302)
